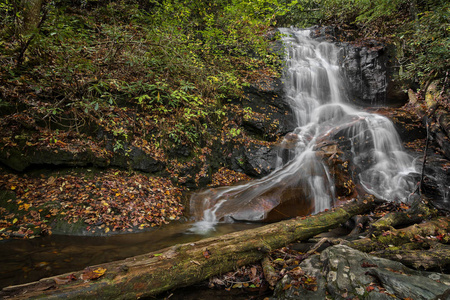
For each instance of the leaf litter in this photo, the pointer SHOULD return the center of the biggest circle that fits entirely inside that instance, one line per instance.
(100, 202)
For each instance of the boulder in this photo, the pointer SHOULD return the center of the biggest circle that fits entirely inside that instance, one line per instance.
(345, 273)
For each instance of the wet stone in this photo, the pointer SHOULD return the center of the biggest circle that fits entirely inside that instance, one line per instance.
(343, 273)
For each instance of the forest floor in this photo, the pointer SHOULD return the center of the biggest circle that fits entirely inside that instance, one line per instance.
(91, 201)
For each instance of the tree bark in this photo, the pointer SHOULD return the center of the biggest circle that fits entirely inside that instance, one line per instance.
(411, 245)
(31, 15)
(436, 227)
(418, 212)
(436, 258)
(186, 264)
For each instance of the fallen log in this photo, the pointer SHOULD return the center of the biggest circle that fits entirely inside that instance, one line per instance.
(437, 228)
(436, 258)
(419, 211)
(186, 264)
(420, 246)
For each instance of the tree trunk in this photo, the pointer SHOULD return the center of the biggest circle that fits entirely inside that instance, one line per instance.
(413, 246)
(436, 258)
(418, 212)
(436, 227)
(31, 15)
(183, 265)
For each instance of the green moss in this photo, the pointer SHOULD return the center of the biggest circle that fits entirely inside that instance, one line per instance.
(8, 201)
(61, 226)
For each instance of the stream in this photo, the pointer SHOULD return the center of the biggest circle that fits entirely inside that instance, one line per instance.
(24, 261)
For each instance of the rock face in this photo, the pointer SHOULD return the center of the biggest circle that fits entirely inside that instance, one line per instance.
(369, 69)
(344, 273)
(267, 99)
(365, 70)
(137, 159)
(254, 160)
(269, 118)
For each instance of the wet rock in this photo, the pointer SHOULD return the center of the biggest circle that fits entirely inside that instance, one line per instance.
(269, 91)
(339, 165)
(371, 74)
(136, 159)
(267, 116)
(409, 127)
(365, 70)
(324, 33)
(368, 67)
(20, 160)
(142, 161)
(270, 115)
(254, 160)
(436, 184)
(344, 273)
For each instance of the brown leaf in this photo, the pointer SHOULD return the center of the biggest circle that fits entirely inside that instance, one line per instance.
(66, 279)
(90, 274)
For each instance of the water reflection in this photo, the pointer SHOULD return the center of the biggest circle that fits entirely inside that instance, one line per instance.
(24, 261)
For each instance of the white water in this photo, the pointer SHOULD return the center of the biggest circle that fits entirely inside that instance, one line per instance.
(314, 89)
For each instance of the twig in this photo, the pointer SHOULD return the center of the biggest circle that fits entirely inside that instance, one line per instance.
(315, 247)
(269, 271)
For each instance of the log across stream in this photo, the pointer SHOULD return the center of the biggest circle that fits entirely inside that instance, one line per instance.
(29, 260)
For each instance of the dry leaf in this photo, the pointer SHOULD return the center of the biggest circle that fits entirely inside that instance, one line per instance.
(90, 274)
(64, 280)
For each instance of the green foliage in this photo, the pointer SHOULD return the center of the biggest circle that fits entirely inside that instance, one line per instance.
(420, 30)
(362, 12)
(235, 132)
(168, 64)
(428, 44)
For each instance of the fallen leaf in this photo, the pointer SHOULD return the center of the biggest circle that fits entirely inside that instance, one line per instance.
(64, 280)
(370, 288)
(206, 253)
(90, 274)
(195, 262)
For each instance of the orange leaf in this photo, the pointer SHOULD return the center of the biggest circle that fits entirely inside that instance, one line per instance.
(206, 253)
(370, 288)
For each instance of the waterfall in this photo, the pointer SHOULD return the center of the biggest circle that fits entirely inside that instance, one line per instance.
(314, 88)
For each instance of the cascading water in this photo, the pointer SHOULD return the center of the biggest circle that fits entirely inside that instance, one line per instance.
(314, 89)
